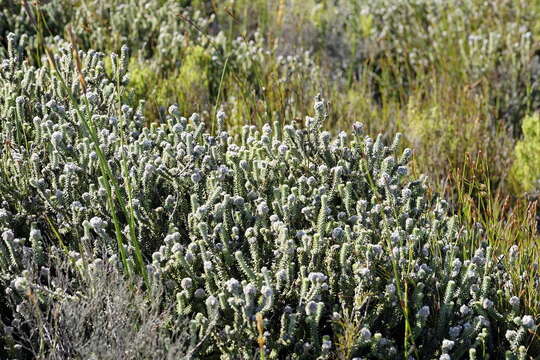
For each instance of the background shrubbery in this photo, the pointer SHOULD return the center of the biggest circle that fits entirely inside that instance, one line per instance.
(527, 163)
(269, 240)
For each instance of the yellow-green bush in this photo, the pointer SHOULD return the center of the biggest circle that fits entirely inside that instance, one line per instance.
(526, 169)
(193, 77)
(186, 86)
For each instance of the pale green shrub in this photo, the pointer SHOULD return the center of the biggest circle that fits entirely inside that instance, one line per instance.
(526, 169)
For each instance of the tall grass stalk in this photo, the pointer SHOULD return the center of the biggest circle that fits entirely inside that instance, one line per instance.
(111, 185)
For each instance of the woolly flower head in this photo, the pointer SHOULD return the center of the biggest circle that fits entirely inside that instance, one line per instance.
(326, 345)
(92, 97)
(8, 236)
(325, 137)
(390, 289)
(196, 177)
(337, 233)
(20, 284)
(423, 312)
(365, 334)
(57, 138)
(211, 301)
(514, 301)
(447, 345)
(208, 265)
(267, 291)
(455, 331)
(513, 252)
(281, 274)
(97, 223)
(172, 238)
(157, 257)
(528, 322)
(267, 129)
(358, 128)
(250, 290)
(487, 304)
(263, 209)
(319, 107)
(174, 110)
(35, 234)
(221, 116)
(311, 308)
(232, 285)
(71, 168)
(200, 293)
(402, 170)
(186, 283)
(510, 335)
(317, 277)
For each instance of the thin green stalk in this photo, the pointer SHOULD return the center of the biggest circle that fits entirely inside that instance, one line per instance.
(219, 92)
(109, 179)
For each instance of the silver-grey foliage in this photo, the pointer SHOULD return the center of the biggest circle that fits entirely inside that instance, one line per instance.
(288, 222)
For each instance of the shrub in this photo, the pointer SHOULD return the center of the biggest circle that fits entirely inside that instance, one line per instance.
(526, 169)
(78, 306)
(276, 242)
(189, 85)
(291, 231)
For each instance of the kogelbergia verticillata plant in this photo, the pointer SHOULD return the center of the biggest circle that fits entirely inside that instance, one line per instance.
(270, 242)
(299, 227)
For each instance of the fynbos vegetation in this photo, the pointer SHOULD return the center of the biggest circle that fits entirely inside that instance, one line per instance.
(260, 226)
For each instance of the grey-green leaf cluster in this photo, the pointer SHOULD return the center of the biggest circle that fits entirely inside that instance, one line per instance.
(273, 243)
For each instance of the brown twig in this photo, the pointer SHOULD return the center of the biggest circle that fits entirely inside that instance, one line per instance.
(76, 56)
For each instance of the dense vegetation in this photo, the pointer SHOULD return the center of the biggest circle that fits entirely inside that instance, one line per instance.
(169, 187)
